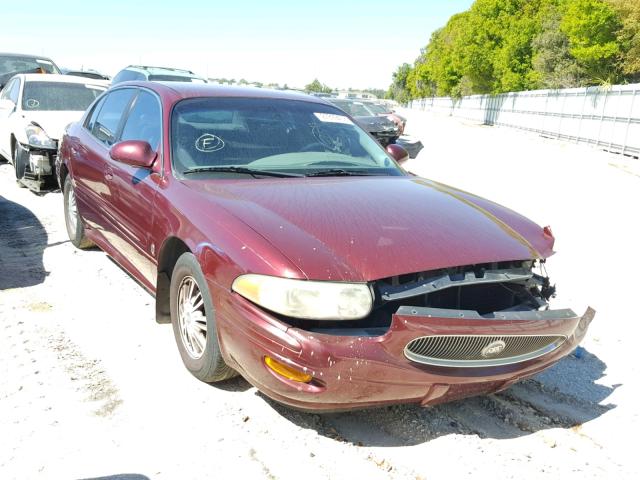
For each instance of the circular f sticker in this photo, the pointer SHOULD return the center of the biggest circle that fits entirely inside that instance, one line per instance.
(209, 143)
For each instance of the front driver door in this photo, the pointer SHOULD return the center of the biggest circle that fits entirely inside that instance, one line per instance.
(135, 188)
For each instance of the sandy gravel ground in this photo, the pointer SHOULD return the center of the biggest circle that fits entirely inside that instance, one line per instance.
(91, 386)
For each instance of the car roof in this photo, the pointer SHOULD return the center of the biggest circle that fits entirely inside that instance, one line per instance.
(60, 78)
(185, 90)
(24, 55)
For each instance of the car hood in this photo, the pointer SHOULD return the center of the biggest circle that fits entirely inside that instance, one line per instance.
(367, 228)
(54, 122)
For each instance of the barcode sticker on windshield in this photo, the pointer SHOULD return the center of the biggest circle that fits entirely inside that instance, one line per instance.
(333, 118)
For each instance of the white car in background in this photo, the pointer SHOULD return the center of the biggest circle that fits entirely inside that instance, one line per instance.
(34, 111)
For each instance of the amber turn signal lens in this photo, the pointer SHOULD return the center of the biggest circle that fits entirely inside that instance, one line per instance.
(286, 371)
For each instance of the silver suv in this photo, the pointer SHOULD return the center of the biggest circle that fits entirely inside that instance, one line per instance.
(157, 74)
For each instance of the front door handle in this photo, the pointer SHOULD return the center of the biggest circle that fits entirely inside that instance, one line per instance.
(108, 173)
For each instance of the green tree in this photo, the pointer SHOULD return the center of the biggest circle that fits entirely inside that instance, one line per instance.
(511, 45)
(629, 37)
(592, 27)
(553, 63)
(316, 86)
(398, 90)
(447, 59)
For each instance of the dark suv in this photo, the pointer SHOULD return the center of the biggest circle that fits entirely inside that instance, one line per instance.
(157, 74)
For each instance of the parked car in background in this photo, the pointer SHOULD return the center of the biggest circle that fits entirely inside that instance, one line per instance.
(383, 129)
(34, 110)
(92, 74)
(156, 74)
(383, 110)
(14, 63)
(283, 243)
(411, 144)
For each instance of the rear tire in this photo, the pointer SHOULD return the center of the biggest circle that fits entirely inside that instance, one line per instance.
(194, 322)
(72, 218)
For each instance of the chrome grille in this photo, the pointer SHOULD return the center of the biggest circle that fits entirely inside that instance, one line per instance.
(480, 350)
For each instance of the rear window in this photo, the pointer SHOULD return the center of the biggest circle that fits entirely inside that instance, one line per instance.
(52, 96)
(127, 76)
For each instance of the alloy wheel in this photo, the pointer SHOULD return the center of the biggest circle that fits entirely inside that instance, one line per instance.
(192, 318)
(72, 211)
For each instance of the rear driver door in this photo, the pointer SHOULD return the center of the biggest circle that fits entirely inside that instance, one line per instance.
(91, 165)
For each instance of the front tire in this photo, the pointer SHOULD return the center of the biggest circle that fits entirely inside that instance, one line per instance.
(72, 218)
(194, 322)
(19, 160)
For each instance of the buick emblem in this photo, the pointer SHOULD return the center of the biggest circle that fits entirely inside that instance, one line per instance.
(493, 349)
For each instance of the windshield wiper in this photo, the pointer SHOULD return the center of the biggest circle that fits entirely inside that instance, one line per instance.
(339, 172)
(249, 171)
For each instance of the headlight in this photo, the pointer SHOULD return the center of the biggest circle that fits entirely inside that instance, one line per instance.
(305, 298)
(38, 138)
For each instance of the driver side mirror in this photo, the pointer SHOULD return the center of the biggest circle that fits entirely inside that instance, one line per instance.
(398, 153)
(136, 153)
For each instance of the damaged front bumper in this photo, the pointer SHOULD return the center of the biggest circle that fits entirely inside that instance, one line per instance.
(39, 174)
(367, 367)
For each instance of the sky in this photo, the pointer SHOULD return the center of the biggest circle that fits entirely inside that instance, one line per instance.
(343, 44)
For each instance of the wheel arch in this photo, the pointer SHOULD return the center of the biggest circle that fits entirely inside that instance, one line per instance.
(168, 255)
(62, 175)
(208, 255)
(12, 141)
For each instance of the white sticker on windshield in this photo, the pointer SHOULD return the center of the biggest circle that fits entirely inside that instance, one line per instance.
(46, 62)
(209, 143)
(333, 118)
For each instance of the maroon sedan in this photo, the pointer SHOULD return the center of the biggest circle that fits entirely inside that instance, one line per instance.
(284, 244)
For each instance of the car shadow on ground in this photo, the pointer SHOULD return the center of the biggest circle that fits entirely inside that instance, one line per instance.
(565, 396)
(120, 476)
(22, 242)
(235, 384)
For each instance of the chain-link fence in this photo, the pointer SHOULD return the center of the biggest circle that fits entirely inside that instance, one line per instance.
(606, 117)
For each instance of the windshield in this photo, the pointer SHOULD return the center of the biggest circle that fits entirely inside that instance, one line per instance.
(275, 135)
(356, 109)
(14, 64)
(59, 96)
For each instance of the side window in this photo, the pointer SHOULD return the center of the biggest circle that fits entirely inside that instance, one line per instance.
(4, 95)
(105, 127)
(144, 120)
(14, 91)
(91, 118)
(127, 76)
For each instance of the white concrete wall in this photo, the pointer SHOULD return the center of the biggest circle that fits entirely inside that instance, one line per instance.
(606, 117)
